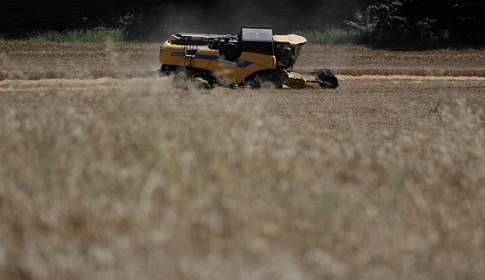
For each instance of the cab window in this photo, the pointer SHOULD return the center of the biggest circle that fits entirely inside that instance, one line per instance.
(287, 54)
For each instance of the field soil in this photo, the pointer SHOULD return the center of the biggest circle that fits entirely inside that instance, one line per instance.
(35, 61)
(109, 173)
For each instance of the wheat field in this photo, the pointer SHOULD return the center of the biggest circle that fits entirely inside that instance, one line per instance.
(114, 175)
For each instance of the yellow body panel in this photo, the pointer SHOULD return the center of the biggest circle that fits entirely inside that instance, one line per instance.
(175, 55)
(233, 71)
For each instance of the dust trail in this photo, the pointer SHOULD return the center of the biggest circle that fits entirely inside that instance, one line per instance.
(80, 85)
(86, 85)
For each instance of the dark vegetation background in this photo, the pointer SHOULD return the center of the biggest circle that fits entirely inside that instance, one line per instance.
(376, 21)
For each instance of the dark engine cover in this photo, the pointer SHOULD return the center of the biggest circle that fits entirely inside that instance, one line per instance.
(257, 40)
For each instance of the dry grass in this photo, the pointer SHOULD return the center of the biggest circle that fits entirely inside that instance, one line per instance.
(50, 61)
(359, 60)
(44, 60)
(136, 179)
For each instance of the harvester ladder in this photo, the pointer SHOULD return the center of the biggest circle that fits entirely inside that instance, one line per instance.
(190, 51)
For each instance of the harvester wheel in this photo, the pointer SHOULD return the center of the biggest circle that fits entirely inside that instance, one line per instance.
(266, 81)
(268, 84)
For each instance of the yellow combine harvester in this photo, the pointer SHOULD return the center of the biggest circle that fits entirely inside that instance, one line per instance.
(254, 58)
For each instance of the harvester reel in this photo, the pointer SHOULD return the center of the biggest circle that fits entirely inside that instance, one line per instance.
(326, 78)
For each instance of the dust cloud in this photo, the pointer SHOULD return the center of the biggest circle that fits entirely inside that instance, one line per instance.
(227, 17)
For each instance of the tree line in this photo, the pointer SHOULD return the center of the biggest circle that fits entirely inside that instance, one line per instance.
(382, 21)
(430, 21)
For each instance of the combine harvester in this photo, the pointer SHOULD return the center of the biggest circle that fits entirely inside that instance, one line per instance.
(254, 58)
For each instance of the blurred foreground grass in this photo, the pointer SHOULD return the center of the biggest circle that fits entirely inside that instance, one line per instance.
(135, 179)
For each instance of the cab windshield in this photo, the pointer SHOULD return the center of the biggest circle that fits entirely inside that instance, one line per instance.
(287, 54)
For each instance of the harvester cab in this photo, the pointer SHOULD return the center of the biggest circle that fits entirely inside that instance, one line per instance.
(255, 58)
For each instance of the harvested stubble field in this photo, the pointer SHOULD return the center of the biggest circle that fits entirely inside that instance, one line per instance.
(108, 174)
